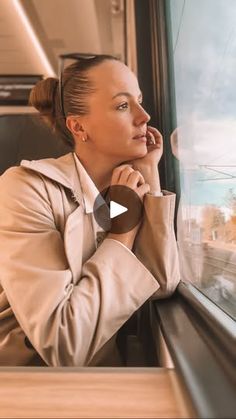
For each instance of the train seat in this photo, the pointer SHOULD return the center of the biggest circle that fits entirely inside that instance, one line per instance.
(25, 136)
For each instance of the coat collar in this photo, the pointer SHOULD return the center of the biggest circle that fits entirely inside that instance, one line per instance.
(88, 187)
(62, 170)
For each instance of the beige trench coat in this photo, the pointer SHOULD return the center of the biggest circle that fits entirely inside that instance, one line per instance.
(62, 300)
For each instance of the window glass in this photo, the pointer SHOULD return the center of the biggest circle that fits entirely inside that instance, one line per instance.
(204, 51)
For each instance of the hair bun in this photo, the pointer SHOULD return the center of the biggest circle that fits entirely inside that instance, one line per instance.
(42, 97)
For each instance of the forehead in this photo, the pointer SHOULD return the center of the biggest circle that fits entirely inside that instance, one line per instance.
(112, 77)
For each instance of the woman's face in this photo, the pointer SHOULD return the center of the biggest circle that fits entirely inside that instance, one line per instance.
(115, 114)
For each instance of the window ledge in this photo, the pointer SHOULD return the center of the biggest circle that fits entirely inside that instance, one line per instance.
(201, 342)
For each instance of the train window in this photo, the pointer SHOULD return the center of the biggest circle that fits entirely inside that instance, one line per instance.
(204, 59)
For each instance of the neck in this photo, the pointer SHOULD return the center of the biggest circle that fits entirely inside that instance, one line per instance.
(98, 167)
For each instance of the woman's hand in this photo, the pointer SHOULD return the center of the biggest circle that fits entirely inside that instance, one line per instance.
(154, 150)
(125, 175)
(148, 165)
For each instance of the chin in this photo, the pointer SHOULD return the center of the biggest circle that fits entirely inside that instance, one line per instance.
(137, 154)
(134, 156)
(140, 153)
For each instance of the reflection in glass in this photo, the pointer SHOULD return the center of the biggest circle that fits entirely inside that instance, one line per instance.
(205, 144)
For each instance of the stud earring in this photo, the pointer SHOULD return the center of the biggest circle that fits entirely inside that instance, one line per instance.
(84, 139)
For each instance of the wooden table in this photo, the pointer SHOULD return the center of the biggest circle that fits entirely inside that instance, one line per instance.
(91, 393)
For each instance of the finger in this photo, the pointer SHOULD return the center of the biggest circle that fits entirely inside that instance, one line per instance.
(123, 165)
(157, 135)
(117, 172)
(135, 179)
(124, 174)
(154, 131)
(143, 190)
(150, 138)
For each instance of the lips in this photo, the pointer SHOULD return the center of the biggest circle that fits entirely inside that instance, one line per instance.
(139, 137)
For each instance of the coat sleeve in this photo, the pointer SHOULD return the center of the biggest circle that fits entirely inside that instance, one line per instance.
(66, 322)
(155, 244)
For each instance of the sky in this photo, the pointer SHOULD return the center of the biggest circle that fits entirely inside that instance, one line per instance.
(204, 47)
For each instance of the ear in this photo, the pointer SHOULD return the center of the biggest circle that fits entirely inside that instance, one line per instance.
(74, 125)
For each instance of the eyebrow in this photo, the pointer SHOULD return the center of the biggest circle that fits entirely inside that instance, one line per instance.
(126, 94)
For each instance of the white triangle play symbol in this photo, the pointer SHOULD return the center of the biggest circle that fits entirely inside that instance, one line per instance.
(116, 209)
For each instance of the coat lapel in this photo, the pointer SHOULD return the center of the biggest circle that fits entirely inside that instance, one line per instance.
(61, 170)
(79, 243)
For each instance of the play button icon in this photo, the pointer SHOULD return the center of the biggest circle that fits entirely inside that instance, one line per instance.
(118, 209)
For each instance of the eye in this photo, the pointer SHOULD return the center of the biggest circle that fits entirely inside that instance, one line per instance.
(122, 106)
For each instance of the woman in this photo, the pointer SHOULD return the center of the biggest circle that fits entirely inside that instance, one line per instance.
(64, 295)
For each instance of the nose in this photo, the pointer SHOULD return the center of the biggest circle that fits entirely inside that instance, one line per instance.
(141, 117)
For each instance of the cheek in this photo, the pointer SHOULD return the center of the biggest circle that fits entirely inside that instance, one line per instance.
(121, 124)
(111, 127)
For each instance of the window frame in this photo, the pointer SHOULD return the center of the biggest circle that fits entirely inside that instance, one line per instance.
(201, 348)
(213, 329)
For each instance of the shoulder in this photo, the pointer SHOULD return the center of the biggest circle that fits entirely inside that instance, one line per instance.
(22, 185)
(25, 190)
(20, 177)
